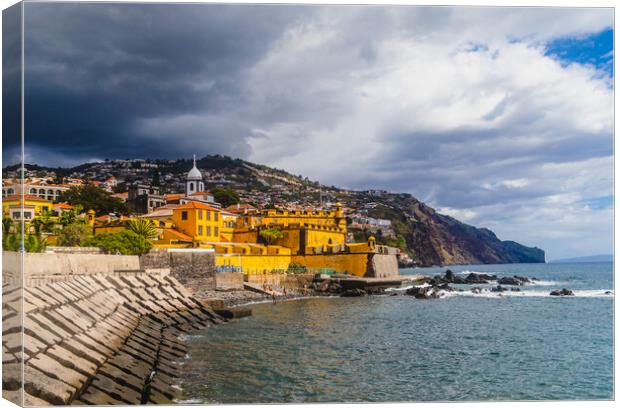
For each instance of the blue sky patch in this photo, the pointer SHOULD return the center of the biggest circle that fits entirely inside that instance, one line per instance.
(600, 203)
(596, 49)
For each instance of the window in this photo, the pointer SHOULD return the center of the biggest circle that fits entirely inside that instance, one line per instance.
(216, 232)
(27, 215)
(200, 215)
(33, 191)
(16, 215)
(184, 215)
(208, 231)
(42, 191)
(191, 187)
(216, 216)
(200, 230)
(208, 215)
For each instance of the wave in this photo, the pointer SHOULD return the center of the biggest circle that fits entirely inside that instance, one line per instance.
(467, 272)
(591, 293)
(545, 283)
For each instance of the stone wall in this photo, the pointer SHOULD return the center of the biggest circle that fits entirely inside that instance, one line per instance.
(37, 265)
(196, 270)
(229, 281)
(382, 266)
(97, 337)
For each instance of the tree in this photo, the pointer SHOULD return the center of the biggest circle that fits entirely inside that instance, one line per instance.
(155, 181)
(225, 196)
(93, 197)
(142, 227)
(71, 216)
(11, 242)
(125, 243)
(271, 235)
(32, 243)
(120, 187)
(75, 234)
(7, 224)
(42, 223)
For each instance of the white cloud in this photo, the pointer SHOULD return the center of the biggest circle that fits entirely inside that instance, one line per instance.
(455, 112)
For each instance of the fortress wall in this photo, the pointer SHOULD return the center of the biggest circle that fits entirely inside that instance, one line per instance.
(195, 270)
(383, 266)
(97, 337)
(44, 265)
(353, 264)
(229, 281)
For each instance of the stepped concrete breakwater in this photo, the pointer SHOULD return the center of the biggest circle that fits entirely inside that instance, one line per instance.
(96, 330)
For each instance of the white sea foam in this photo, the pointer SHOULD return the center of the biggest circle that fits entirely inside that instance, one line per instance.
(467, 272)
(593, 293)
(545, 283)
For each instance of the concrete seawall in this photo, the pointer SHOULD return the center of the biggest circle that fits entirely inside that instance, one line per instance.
(94, 335)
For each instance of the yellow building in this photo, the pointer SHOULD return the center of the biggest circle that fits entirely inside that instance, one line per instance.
(33, 207)
(199, 221)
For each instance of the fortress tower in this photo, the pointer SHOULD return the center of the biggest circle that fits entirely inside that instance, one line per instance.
(193, 183)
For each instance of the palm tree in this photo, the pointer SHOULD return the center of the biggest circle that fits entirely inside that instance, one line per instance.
(33, 243)
(12, 242)
(7, 224)
(142, 227)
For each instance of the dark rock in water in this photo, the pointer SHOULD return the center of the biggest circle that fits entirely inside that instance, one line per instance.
(445, 286)
(353, 293)
(476, 290)
(509, 281)
(428, 292)
(449, 276)
(459, 280)
(334, 287)
(515, 290)
(608, 292)
(394, 294)
(478, 278)
(498, 288)
(375, 291)
(562, 292)
(234, 313)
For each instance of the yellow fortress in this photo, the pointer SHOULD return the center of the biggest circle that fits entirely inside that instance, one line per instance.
(267, 241)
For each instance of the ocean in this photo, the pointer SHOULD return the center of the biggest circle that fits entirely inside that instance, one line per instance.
(464, 347)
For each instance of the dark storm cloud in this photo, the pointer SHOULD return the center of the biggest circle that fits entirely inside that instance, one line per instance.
(94, 71)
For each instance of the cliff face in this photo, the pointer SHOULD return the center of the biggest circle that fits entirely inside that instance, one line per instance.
(436, 239)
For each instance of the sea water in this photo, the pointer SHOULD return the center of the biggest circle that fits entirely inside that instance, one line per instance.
(464, 347)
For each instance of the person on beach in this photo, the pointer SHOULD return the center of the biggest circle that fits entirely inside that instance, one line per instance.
(273, 296)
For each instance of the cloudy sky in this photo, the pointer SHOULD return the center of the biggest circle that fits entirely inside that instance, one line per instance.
(501, 117)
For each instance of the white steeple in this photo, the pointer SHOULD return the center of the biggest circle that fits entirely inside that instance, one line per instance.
(193, 182)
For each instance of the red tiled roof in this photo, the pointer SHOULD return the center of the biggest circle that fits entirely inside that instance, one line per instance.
(28, 197)
(196, 205)
(237, 208)
(172, 196)
(197, 193)
(63, 205)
